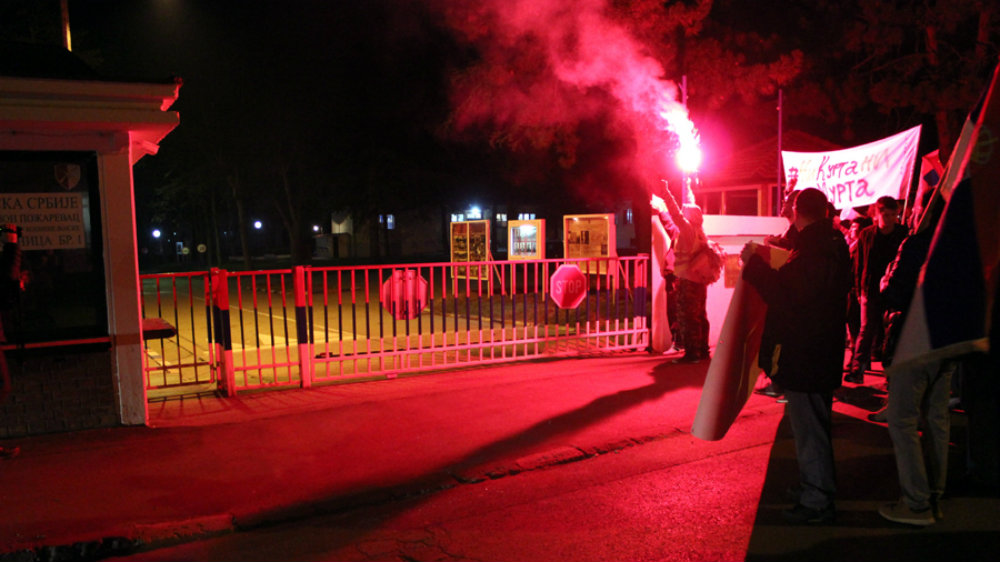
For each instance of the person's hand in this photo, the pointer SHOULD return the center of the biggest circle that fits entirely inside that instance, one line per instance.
(656, 202)
(770, 239)
(748, 250)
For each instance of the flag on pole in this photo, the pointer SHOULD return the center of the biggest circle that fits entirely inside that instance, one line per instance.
(931, 172)
(951, 311)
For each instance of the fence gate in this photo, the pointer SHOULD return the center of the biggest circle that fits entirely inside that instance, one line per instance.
(181, 355)
(313, 325)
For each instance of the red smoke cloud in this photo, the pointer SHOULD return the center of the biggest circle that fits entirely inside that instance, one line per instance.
(554, 73)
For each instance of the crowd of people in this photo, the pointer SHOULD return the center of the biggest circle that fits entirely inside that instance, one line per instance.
(844, 291)
(883, 259)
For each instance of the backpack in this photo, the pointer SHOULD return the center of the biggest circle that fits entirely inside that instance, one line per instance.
(706, 264)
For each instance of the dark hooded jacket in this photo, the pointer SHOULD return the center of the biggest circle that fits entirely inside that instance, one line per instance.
(807, 309)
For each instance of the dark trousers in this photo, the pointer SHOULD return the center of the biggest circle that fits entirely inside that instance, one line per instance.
(693, 317)
(810, 415)
(853, 318)
(872, 332)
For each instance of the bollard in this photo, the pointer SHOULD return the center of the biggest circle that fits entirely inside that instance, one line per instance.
(302, 328)
(223, 340)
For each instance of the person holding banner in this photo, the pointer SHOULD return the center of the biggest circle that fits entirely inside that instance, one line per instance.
(807, 308)
(877, 247)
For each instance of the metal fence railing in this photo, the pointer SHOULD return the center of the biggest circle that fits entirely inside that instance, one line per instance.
(182, 357)
(313, 325)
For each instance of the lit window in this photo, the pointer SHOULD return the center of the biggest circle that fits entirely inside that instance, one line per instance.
(390, 222)
(381, 219)
(475, 213)
(501, 217)
(457, 217)
(628, 216)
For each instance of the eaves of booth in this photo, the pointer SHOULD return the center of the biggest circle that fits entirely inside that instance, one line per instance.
(49, 114)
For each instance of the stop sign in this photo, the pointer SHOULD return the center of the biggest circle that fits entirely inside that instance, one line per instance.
(568, 286)
(404, 294)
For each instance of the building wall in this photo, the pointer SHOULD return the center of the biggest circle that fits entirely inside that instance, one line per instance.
(731, 232)
(55, 391)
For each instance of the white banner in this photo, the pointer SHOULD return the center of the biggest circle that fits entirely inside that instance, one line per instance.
(854, 177)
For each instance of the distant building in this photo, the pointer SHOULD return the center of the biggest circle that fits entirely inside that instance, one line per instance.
(748, 184)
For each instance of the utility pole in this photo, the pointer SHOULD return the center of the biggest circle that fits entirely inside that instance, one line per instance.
(64, 28)
(781, 192)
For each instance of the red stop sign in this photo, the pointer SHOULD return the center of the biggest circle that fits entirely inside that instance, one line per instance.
(568, 286)
(404, 294)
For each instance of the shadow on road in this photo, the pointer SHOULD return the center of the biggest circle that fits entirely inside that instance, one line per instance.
(866, 478)
(488, 461)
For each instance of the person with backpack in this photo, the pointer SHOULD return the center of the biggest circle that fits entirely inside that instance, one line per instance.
(694, 264)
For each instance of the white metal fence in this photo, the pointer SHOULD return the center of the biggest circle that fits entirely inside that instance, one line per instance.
(313, 325)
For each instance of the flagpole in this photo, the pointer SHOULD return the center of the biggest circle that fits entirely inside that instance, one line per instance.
(781, 191)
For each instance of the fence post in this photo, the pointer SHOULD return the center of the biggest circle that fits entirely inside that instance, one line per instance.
(302, 328)
(642, 278)
(661, 339)
(223, 332)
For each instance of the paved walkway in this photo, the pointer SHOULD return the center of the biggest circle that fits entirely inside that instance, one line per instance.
(208, 465)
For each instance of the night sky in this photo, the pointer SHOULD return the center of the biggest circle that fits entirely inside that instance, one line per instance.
(355, 92)
(322, 71)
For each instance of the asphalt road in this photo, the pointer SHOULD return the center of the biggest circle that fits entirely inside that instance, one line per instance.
(649, 491)
(659, 500)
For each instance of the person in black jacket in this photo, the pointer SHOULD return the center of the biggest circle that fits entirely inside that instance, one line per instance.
(10, 284)
(877, 247)
(807, 308)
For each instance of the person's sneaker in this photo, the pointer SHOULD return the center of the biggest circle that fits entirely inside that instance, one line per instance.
(879, 416)
(855, 378)
(936, 506)
(771, 390)
(809, 516)
(899, 512)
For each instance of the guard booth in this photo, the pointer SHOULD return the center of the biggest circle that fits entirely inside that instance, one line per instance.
(67, 147)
